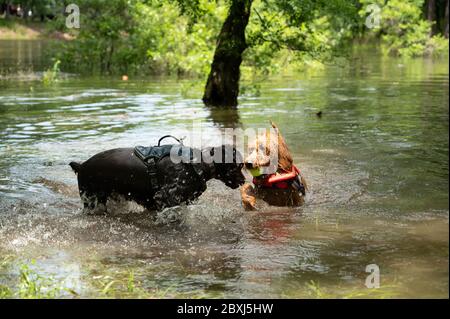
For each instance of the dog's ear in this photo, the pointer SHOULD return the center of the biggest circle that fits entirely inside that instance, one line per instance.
(284, 155)
(274, 126)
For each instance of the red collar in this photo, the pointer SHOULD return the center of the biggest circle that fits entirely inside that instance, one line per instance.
(277, 180)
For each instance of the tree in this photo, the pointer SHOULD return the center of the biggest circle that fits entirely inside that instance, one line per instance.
(39, 8)
(431, 15)
(222, 86)
(217, 38)
(435, 11)
(446, 21)
(406, 27)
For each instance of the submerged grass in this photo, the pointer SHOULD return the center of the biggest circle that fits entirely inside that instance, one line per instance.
(32, 285)
(107, 287)
(29, 284)
(314, 290)
(51, 75)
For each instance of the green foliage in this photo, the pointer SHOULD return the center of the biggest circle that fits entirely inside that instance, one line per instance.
(5, 292)
(304, 25)
(51, 75)
(130, 283)
(173, 46)
(403, 29)
(103, 39)
(38, 7)
(34, 286)
(286, 35)
(314, 290)
(178, 37)
(143, 37)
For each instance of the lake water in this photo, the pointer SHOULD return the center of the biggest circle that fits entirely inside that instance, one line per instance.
(376, 163)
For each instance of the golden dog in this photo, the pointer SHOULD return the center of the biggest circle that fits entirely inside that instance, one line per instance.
(276, 180)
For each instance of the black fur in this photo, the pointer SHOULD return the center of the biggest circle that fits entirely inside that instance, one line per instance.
(119, 171)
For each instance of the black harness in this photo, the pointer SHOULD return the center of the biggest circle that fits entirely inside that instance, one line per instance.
(151, 155)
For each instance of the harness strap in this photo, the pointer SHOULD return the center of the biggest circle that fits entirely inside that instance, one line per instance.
(166, 136)
(282, 180)
(153, 172)
(150, 156)
(275, 178)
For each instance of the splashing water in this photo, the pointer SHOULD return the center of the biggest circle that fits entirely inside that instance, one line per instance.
(376, 162)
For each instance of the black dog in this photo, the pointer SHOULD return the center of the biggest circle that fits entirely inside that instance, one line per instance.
(158, 185)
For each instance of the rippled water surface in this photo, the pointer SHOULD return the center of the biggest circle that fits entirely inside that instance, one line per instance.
(376, 162)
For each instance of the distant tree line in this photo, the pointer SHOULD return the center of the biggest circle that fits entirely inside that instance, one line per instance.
(32, 9)
(212, 38)
(436, 12)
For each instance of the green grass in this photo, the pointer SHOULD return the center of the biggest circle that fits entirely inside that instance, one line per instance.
(315, 291)
(51, 75)
(32, 285)
(29, 284)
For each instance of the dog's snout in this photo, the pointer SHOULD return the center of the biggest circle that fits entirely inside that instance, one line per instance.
(248, 165)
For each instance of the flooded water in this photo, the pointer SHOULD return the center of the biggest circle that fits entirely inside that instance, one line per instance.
(376, 162)
(19, 58)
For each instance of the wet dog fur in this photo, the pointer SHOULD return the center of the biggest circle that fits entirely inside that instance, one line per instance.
(120, 172)
(259, 156)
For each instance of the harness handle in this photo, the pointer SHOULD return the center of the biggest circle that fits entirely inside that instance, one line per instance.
(166, 136)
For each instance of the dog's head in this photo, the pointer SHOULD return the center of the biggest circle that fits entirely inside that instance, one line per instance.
(269, 153)
(228, 164)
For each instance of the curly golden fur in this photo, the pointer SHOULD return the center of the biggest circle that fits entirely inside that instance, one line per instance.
(259, 157)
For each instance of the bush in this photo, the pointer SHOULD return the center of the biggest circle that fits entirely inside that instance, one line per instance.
(403, 30)
(141, 37)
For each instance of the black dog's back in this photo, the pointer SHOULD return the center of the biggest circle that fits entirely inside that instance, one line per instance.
(115, 171)
(165, 183)
(120, 171)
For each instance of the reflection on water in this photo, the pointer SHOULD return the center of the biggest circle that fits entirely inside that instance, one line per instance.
(22, 56)
(376, 161)
(225, 118)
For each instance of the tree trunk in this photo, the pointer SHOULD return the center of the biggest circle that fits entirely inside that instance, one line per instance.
(7, 13)
(431, 15)
(446, 21)
(222, 87)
